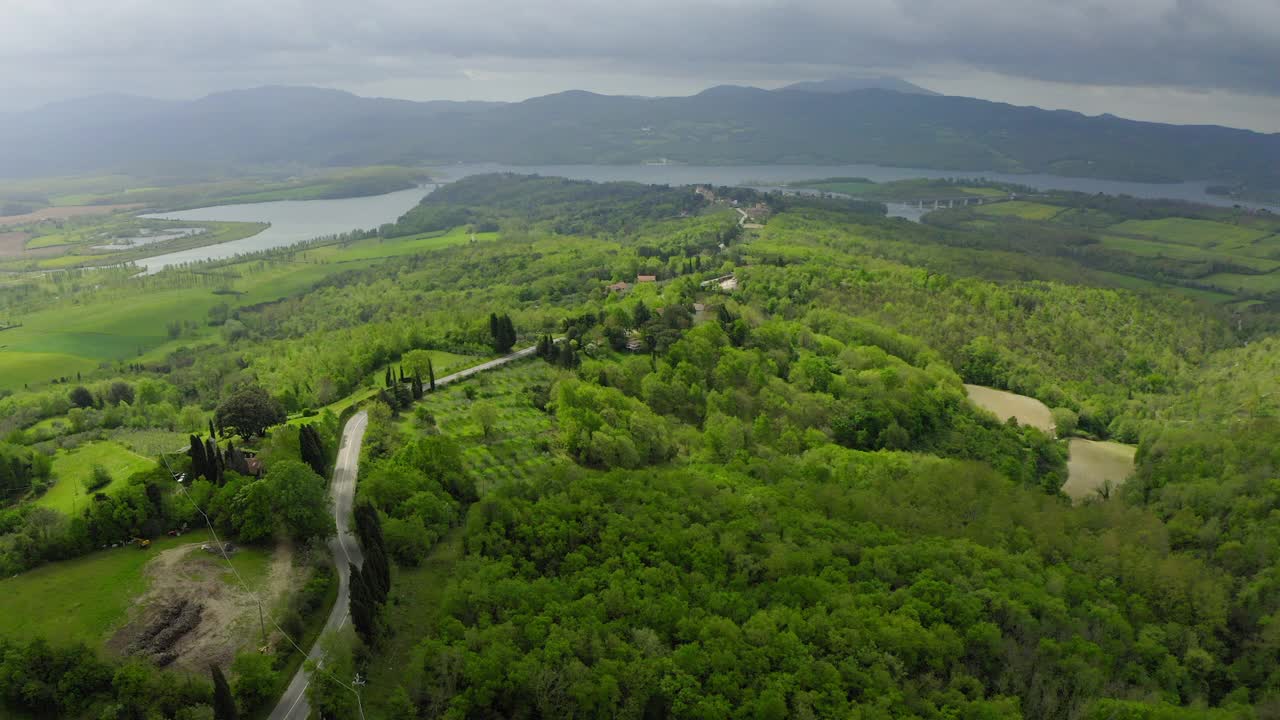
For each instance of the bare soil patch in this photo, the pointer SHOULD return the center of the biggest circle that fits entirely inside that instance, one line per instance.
(12, 244)
(1093, 463)
(196, 613)
(1028, 410)
(62, 213)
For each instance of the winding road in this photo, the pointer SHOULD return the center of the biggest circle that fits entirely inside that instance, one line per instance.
(293, 704)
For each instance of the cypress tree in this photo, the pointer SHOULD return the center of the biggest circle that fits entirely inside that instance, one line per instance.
(377, 594)
(388, 377)
(236, 461)
(363, 613)
(199, 465)
(311, 448)
(376, 565)
(212, 432)
(213, 462)
(431, 374)
(224, 703)
(417, 385)
(401, 373)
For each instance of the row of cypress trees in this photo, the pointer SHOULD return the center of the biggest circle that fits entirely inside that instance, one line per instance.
(370, 583)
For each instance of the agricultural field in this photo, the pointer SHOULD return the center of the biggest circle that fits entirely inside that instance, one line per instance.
(1197, 233)
(1190, 253)
(1005, 405)
(70, 468)
(1093, 463)
(1244, 284)
(1020, 209)
(64, 197)
(519, 443)
(120, 322)
(94, 242)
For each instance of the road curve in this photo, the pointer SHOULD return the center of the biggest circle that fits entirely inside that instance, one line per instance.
(345, 549)
(293, 704)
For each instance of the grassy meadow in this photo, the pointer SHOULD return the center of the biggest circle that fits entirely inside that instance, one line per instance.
(84, 599)
(71, 468)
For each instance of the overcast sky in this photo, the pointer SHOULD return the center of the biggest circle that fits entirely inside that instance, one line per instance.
(1215, 61)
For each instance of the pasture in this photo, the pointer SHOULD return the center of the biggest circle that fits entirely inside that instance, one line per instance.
(80, 600)
(1092, 463)
(1197, 233)
(1005, 405)
(71, 468)
(1244, 284)
(1189, 253)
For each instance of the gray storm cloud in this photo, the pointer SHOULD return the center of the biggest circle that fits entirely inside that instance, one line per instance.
(1188, 44)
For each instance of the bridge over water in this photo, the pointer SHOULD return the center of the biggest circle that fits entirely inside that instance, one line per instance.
(958, 201)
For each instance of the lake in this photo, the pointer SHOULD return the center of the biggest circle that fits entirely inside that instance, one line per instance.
(299, 220)
(292, 221)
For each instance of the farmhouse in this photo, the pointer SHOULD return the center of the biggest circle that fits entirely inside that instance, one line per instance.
(646, 278)
(619, 287)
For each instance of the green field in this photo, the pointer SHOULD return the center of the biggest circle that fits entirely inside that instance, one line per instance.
(511, 452)
(1250, 284)
(70, 469)
(1151, 248)
(83, 600)
(1020, 209)
(20, 368)
(1198, 233)
(126, 322)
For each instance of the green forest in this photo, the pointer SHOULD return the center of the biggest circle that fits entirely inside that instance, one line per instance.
(737, 474)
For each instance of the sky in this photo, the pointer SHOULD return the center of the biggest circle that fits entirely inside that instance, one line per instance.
(1182, 61)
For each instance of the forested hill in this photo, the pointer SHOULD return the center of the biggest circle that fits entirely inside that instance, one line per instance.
(722, 125)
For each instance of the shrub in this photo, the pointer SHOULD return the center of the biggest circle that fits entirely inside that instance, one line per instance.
(99, 477)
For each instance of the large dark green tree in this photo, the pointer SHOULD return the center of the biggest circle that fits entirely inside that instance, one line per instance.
(311, 448)
(373, 546)
(363, 607)
(248, 412)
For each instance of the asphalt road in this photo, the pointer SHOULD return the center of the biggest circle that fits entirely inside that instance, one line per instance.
(293, 704)
(345, 551)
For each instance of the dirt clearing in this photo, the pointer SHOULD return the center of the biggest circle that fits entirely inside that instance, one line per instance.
(13, 243)
(196, 612)
(1028, 410)
(1093, 463)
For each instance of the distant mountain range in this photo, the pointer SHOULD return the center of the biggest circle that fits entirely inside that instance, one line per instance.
(830, 122)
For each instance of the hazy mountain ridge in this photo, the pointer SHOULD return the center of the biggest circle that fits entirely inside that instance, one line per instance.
(722, 125)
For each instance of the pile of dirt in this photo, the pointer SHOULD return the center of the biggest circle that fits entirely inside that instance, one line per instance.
(195, 614)
(169, 622)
